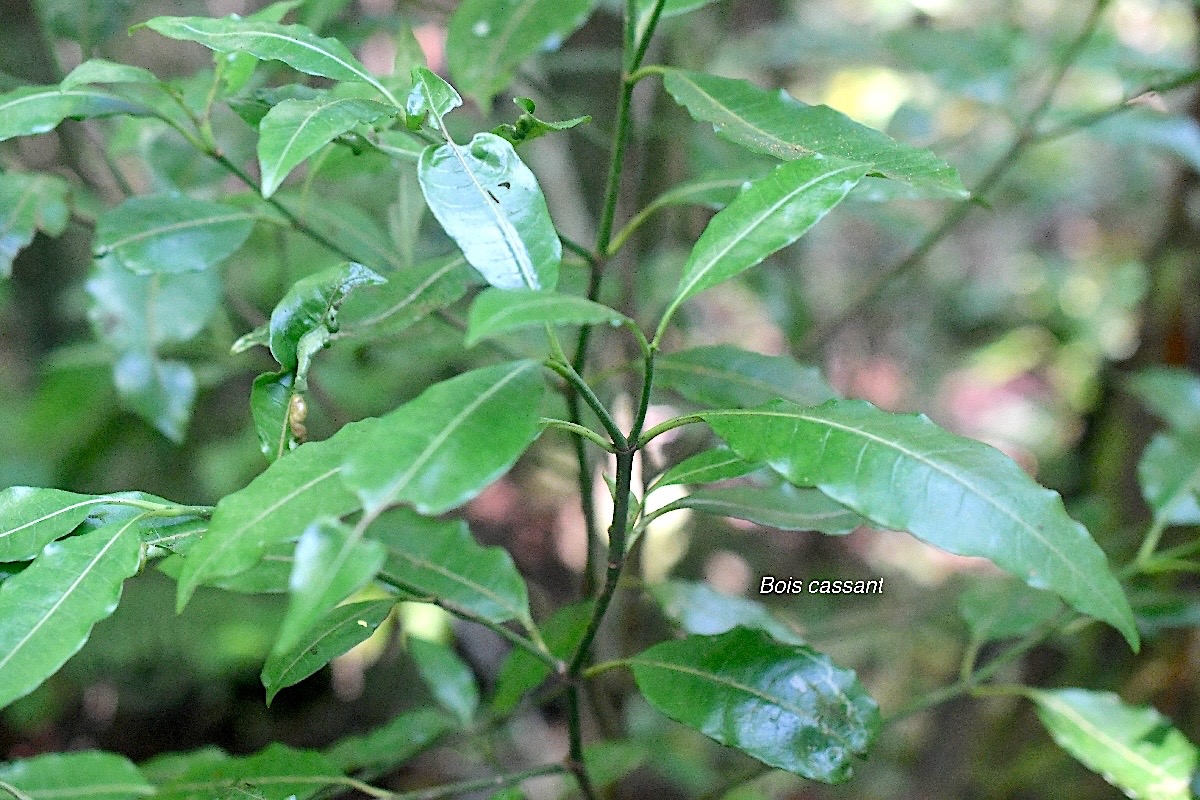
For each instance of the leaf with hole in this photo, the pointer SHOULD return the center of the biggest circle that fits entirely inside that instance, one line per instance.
(903, 472)
(785, 705)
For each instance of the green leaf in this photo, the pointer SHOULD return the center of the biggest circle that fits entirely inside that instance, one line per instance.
(334, 634)
(430, 96)
(332, 562)
(404, 216)
(1004, 609)
(294, 45)
(275, 507)
(771, 214)
(143, 312)
(497, 311)
(724, 376)
(529, 127)
(440, 560)
(312, 303)
(1170, 393)
(169, 234)
(441, 449)
(670, 8)
(100, 70)
(277, 772)
(296, 129)
(393, 743)
(905, 473)
(1135, 748)
(270, 404)
(489, 39)
(490, 204)
(29, 202)
(89, 774)
(447, 676)
(785, 705)
(408, 297)
(706, 467)
(31, 518)
(699, 608)
(1169, 474)
(522, 671)
(713, 190)
(36, 109)
(271, 575)
(781, 506)
(777, 124)
(48, 610)
(160, 392)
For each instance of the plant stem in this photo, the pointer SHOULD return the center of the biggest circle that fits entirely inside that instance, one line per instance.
(573, 378)
(497, 782)
(663, 427)
(575, 761)
(580, 431)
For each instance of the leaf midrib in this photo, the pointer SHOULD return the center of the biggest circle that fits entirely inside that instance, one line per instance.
(199, 222)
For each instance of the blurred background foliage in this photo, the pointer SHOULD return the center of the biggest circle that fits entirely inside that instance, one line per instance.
(1019, 326)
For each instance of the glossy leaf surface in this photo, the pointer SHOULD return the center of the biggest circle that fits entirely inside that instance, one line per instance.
(101, 70)
(275, 507)
(1135, 748)
(277, 772)
(167, 233)
(441, 449)
(31, 518)
(293, 130)
(88, 774)
(270, 403)
(334, 634)
(313, 302)
(706, 467)
(440, 560)
(489, 39)
(777, 124)
(490, 204)
(904, 472)
(529, 127)
(408, 297)
(448, 677)
(699, 608)
(431, 96)
(724, 376)
(782, 506)
(775, 211)
(29, 203)
(497, 311)
(393, 743)
(48, 610)
(785, 705)
(36, 109)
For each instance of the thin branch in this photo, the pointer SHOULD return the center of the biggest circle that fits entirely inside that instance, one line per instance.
(497, 782)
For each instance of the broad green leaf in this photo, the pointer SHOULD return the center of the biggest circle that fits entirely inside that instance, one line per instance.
(167, 767)
(393, 743)
(332, 561)
(774, 123)
(430, 96)
(271, 575)
(313, 302)
(1135, 748)
(782, 506)
(100, 70)
(296, 129)
(408, 297)
(168, 234)
(490, 204)
(706, 467)
(277, 772)
(442, 448)
(724, 376)
(609, 761)
(404, 217)
(160, 392)
(449, 679)
(1169, 474)
(1003, 609)
(89, 774)
(785, 705)
(1170, 393)
(771, 214)
(29, 202)
(489, 39)
(143, 312)
(522, 671)
(238, 68)
(497, 311)
(529, 127)
(334, 634)
(31, 518)
(36, 109)
(294, 45)
(441, 561)
(254, 106)
(699, 608)
(275, 507)
(48, 610)
(270, 403)
(903, 472)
